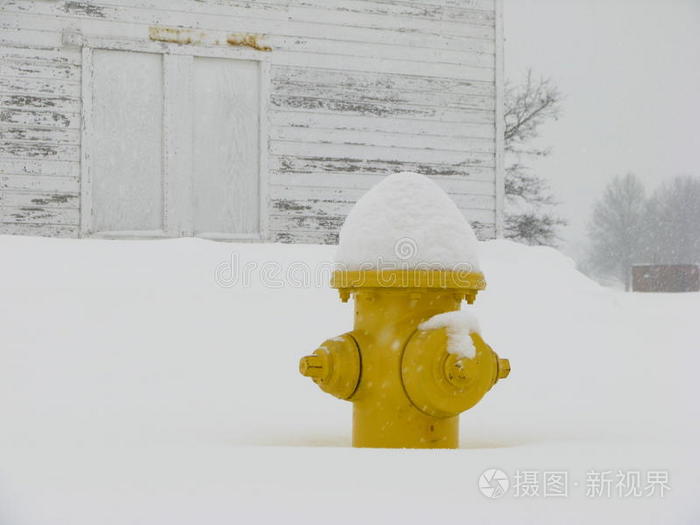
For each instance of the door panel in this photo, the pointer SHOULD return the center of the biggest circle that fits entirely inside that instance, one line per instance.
(226, 181)
(126, 141)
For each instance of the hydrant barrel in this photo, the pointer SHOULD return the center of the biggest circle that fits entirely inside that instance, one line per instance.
(383, 415)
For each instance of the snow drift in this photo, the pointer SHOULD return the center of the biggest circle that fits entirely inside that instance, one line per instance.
(156, 382)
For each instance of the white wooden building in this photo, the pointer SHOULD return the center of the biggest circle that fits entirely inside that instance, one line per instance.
(242, 118)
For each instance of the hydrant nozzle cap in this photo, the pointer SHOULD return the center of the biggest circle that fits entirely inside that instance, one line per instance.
(503, 368)
(312, 366)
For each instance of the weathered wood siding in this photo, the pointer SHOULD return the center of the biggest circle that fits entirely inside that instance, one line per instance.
(357, 89)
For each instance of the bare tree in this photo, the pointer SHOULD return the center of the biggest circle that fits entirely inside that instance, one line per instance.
(529, 216)
(617, 228)
(672, 229)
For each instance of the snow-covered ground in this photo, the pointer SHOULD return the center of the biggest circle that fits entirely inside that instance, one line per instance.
(152, 383)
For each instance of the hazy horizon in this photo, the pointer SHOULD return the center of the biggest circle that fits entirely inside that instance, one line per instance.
(629, 72)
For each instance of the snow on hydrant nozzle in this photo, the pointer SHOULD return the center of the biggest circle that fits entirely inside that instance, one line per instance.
(414, 361)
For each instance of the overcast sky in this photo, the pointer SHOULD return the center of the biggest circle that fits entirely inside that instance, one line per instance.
(630, 74)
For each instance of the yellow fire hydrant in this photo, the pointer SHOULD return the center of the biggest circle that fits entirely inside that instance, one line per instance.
(406, 382)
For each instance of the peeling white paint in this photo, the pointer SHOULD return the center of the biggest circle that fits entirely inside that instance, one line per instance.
(349, 93)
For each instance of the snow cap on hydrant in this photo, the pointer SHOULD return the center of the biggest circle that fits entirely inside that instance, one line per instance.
(407, 222)
(414, 361)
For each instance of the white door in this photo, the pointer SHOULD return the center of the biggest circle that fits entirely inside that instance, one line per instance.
(125, 146)
(173, 146)
(226, 146)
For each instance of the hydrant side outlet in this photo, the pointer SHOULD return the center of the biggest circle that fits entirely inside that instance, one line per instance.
(442, 384)
(335, 366)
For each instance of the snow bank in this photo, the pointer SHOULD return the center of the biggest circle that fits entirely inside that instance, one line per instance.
(407, 221)
(459, 325)
(135, 388)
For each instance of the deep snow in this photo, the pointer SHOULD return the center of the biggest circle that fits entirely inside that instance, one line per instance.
(147, 382)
